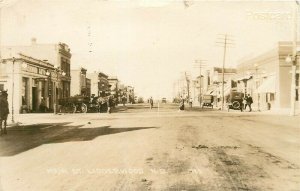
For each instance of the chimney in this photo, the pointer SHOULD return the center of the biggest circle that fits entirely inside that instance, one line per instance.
(33, 41)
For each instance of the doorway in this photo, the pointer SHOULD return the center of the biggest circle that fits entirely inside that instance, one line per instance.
(34, 99)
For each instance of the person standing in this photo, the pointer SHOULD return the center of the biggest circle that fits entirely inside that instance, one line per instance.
(151, 102)
(4, 111)
(249, 102)
(244, 103)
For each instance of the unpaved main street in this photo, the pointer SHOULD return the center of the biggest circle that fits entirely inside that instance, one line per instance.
(159, 149)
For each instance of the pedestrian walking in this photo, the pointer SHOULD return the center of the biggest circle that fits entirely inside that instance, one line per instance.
(4, 111)
(151, 102)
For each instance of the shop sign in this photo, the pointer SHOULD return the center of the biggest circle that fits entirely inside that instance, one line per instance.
(31, 69)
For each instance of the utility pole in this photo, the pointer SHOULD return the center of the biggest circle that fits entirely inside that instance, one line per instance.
(224, 41)
(187, 85)
(200, 64)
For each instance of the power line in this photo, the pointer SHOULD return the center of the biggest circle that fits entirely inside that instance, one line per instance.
(200, 64)
(224, 41)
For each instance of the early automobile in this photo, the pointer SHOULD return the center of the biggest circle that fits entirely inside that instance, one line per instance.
(164, 100)
(81, 104)
(207, 101)
(235, 101)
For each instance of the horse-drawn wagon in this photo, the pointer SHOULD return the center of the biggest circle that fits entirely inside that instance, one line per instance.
(78, 104)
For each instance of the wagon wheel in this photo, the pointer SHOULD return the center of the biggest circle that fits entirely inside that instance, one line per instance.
(83, 108)
(70, 108)
(236, 105)
(73, 108)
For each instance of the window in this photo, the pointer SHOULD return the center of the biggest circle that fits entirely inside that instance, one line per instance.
(1, 87)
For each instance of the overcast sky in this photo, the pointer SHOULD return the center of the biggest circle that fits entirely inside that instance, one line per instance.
(147, 44)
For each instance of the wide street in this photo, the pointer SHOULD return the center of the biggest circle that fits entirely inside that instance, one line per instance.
(159, 149)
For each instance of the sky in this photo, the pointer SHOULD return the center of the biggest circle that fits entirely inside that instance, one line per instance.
(148, 44)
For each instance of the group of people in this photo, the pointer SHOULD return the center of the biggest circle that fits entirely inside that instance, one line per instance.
(4, 111)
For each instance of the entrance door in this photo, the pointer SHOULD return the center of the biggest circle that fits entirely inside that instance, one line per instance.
(34, 99)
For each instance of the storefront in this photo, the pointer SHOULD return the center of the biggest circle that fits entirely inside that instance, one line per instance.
(29, 84)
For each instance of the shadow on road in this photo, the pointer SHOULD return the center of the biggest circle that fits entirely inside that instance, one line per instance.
(23, 138)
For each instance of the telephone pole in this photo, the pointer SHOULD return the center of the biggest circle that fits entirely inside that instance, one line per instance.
(200, 64)
(224, 41)
(187, 85)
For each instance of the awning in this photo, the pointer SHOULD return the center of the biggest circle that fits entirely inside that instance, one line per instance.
(209, 92)
(242, 78)
(214, 93)
(268, 86)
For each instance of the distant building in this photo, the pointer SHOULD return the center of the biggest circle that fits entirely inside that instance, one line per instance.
(211, 83)
(79, 82)
(114, 86)
(88, 87)
(99, 83)
(94, 83)
(104, 86)
(130, 94)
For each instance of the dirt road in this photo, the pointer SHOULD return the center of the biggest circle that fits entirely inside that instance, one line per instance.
(158, 149)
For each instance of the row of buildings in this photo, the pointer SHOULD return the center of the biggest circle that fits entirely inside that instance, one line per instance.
(41, 74)
(266, 77)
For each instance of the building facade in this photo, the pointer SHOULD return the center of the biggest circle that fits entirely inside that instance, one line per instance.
(29, 83)
(114, 86)
(79, 82)
(267, 78)
(57, 54)
(104, 86)
(99, 83)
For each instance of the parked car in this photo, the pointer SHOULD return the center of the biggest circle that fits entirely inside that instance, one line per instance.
(207, 101)
(235, 101)
(164, 100)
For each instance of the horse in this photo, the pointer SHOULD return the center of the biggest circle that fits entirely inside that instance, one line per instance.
(4, 111)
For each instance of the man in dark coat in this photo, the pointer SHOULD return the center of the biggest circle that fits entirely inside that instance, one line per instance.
(249, 101)
(151, 102)
(4, 111)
